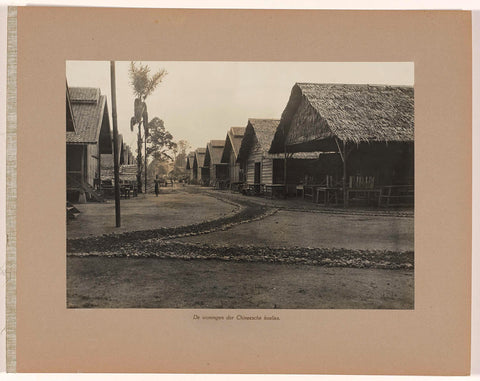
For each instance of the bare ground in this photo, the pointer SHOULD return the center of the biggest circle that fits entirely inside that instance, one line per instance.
(232, 251)
(147, 212)
(99, 282)
(292, 228)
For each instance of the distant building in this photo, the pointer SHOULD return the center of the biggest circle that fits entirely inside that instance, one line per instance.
(189, 167)
(230, 155)
(202, 173)
(213, 156)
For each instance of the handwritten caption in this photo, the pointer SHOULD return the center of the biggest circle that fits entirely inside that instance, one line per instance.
(235, 317)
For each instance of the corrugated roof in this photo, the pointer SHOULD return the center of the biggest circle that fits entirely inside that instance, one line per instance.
(351, 113)
(88, 108)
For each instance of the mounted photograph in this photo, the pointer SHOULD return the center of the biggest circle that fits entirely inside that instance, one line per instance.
(240, 185)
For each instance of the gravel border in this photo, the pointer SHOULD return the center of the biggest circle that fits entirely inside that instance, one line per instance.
(328, 257)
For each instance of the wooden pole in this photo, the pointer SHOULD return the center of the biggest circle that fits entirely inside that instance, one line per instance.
(139, 158)
(145, 137)
(115, 145)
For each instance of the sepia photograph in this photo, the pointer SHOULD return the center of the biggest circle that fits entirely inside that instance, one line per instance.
(240, 185)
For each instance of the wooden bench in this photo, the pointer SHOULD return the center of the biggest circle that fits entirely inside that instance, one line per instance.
(272, 190)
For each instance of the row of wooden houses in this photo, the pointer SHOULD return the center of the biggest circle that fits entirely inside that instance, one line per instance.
(333, 142)
(89, 144)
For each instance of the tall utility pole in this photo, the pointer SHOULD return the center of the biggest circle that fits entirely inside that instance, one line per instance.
(115, 144)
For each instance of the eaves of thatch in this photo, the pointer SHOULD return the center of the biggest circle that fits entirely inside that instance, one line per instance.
(259, 131)
(317, 114)
(233, 142)
(213, 153)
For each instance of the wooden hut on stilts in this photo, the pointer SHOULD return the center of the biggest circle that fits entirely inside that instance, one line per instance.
(371, 128)
(218, 170)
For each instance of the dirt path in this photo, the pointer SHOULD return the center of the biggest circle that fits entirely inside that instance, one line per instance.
(146, 212)
(172, 283)
(321, 230)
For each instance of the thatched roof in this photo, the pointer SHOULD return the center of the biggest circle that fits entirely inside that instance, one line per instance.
(199, 157)
(213, 153)
(259, 131)
(69, 114)
(233, 142)
(298, 155)
(190, 158)
(351, 113)
(90, 114)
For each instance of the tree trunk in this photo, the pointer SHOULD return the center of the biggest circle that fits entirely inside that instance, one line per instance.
(139, 158)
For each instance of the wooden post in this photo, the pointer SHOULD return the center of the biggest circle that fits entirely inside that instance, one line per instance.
(284, 168)
(115, 145)
(345, 192)
(343, 155)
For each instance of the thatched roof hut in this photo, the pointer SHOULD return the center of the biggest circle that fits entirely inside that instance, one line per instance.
(90, 114)
(201, 173)
(190, 158)
(189, 165)
(213, 156)
(372, 123)
(88, 137)
(258, 132)
(233, 141)
(199, 158)
(317, 114)
(214, 151)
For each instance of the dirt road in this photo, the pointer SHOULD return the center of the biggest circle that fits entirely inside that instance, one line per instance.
(174, 283)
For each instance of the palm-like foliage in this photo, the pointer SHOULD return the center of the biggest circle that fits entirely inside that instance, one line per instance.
(142, 83)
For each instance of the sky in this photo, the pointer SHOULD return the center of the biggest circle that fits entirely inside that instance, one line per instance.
(200, 101)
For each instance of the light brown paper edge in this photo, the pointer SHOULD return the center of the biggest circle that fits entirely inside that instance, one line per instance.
(11, 190)
(467, 275)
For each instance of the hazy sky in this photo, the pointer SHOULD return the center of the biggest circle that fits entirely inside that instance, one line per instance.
(200, 101)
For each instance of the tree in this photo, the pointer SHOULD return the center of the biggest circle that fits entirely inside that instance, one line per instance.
(181, 157)
(143, 85)
(159, 141)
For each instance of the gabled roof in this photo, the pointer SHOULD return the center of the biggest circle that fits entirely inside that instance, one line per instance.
(90, 115)
(257, 130)
(233, 142)
(199, 157)
(351, 113)
(190, 158)
(213, 153)
(69, 114)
